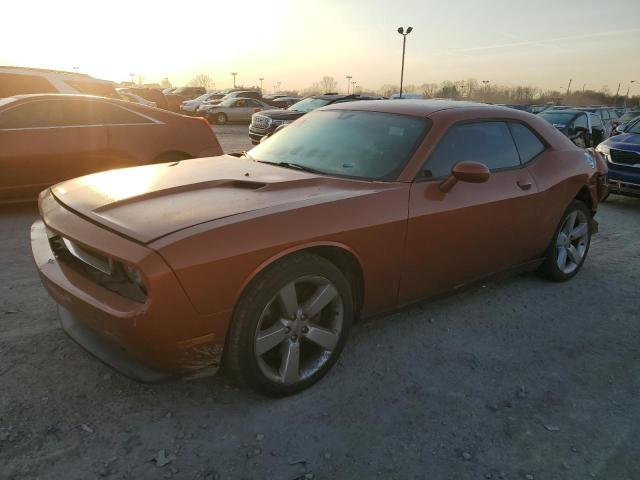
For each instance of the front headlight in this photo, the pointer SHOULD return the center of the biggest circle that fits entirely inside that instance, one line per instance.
(135, 276)
(280, 122)
(605, 151)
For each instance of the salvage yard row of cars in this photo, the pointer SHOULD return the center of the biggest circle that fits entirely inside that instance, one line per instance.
(192, 258)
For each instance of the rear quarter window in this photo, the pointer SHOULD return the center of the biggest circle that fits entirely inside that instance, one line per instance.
(527, 143)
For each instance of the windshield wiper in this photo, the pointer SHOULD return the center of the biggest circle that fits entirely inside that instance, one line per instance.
(295, 166)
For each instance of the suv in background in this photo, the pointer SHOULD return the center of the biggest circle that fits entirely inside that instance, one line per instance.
(264, 123)
(622, 153)
(21, 80)
(584, 129)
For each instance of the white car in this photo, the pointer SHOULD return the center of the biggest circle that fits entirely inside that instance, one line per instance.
(21, 80)
(190, 107)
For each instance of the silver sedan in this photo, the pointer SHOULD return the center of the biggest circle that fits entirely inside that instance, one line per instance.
(235, 110)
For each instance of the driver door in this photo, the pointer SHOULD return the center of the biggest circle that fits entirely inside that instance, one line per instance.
(475, 229)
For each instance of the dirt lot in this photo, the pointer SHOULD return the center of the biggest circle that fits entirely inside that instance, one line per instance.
(520, 379)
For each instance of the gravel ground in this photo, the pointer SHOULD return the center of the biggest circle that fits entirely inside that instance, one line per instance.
(519, 379)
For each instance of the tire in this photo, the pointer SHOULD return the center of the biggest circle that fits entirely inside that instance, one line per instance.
(266, 336)
(570, 245)
(220, 119)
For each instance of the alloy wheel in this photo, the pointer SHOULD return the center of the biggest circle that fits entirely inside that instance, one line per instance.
(299, 330)
(572, 241)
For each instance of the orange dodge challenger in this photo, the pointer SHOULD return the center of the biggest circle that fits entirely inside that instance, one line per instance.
(265, 259)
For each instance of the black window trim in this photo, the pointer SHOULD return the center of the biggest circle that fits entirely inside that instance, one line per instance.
(420, 178)
(151, 120)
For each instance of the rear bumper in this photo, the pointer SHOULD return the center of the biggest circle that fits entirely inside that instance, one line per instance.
(161, 338)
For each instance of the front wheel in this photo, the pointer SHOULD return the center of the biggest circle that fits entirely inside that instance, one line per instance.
(570, 244)
(221, 119)
(290, 325)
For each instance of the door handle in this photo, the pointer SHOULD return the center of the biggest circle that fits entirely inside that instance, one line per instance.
(524, 184)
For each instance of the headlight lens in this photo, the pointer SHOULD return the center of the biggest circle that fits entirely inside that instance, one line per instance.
(135, 276)
(605, 151)
(281, 122)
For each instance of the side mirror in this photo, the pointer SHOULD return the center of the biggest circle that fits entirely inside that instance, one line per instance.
(471, 172)
(621, 128)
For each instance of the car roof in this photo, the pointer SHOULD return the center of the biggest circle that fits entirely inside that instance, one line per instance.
(420, 108)
(565, 110)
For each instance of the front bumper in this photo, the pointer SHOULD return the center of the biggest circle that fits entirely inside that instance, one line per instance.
(621, 187)
(151, 341)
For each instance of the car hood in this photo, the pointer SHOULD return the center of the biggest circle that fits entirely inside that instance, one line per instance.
(625, 141)
(282, 114)
(149, 202)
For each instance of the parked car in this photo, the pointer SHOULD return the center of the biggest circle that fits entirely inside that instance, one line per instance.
(241, 94)
(625, 118)
(150, 94)
(585, 129)
(622, 153)
(608, 115)
(284, 102)
(49, 138)
(267, 259)
(234, 110)
(263, 124)
(21, 80)
(535, 109)
(190, 107)
(179, 95)
(132, 97)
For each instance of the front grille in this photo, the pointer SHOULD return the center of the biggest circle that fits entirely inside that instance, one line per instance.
(624, 157)
(260, 122)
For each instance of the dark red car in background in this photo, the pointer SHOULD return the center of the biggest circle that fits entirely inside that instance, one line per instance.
(51, 137)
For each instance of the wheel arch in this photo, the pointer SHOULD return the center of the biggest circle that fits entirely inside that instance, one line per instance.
(341, 255)
(585, 196)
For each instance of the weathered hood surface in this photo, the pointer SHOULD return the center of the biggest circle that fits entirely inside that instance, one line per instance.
(625, 141)
(145, 203)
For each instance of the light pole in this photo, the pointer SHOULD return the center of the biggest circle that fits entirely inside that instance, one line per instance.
(627, 95)
(261, 80)
(486, 86)
(234, 78)
(132, 75)
(348, 77)
(279, 87)
(353, 87)
(569, 86)
(75, 69)
(404, 44)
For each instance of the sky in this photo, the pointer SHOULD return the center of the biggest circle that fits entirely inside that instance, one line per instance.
(541, 43)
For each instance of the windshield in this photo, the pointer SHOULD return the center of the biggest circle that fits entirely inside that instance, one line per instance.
(634, 128)
(367, 145)
(204, 97)
(557, 118)
(308, 104)
(627, 117)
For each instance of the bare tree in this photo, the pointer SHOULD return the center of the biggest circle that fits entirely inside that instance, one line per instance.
(328, 84)
(202, 80)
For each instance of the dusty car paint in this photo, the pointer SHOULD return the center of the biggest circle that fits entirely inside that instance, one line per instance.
(200, 231)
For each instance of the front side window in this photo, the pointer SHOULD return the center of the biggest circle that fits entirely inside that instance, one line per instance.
(489, 143)
(355, 144)
(527, 143)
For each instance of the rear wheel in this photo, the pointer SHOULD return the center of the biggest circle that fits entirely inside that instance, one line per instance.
(220, 119)
(290, 325)
(570, 244)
